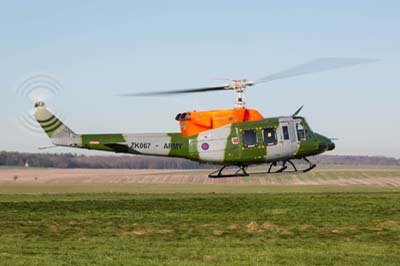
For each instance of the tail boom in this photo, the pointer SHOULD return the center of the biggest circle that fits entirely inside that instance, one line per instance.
(154, 144)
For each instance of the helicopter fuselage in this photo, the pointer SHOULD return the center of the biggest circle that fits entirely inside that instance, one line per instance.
(243, 143)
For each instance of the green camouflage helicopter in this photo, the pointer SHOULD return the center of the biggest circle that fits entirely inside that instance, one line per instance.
(234, 137)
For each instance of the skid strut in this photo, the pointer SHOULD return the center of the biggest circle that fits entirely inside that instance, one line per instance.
(284, 166)
(219, 173)
(310, 167)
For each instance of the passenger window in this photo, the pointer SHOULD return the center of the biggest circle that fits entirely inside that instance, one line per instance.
(301, 132)
(269, 136)
(250, 138)
(285, 132)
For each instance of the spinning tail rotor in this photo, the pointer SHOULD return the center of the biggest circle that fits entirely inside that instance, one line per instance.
(36, 89)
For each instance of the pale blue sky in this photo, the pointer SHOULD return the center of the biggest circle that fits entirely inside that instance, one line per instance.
(97, 49)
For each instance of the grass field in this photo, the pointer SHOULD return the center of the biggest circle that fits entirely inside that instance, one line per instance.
(54, 224)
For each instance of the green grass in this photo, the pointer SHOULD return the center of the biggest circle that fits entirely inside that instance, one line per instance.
(54, 188)
(210, 224)
(346, 228)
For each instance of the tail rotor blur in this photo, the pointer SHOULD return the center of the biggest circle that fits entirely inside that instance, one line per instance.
(37, 88)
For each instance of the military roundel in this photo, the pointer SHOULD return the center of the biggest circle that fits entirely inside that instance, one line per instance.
(205, 146)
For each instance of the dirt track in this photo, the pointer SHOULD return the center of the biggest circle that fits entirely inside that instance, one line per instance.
(379, 176)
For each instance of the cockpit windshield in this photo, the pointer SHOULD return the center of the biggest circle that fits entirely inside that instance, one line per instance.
(303, 130)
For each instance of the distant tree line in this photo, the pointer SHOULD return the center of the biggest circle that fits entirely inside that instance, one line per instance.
(355, 160)
(71, 160)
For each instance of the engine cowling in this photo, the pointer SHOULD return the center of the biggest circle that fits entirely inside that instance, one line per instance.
(192, 123)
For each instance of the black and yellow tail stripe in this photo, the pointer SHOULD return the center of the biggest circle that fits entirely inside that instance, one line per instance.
(50, 125)
(46, 120)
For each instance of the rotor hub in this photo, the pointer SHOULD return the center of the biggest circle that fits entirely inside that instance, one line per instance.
(240, 84)
(39, 104)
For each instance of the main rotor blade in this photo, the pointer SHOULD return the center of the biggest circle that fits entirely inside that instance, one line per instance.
(318, 65)
(195, 90)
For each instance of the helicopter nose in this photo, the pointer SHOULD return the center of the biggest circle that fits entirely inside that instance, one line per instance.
(326, 144)
(331, 146)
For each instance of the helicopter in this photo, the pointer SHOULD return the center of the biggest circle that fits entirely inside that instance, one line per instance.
(237, 137)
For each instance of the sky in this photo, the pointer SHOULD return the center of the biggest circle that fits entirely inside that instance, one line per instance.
(98, 49)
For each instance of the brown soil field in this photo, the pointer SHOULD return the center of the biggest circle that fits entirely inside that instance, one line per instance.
(336, 176)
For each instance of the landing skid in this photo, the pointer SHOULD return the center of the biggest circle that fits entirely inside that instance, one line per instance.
(242, 170)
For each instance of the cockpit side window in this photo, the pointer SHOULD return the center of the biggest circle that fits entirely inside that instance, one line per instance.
(301, 132)
(285, 132)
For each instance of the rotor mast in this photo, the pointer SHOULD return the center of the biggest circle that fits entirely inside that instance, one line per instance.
(239, 85)
(239, 99)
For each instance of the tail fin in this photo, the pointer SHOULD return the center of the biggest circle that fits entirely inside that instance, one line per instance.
(58, 133)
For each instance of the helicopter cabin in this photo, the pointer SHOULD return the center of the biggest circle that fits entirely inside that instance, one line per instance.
(192, 123)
